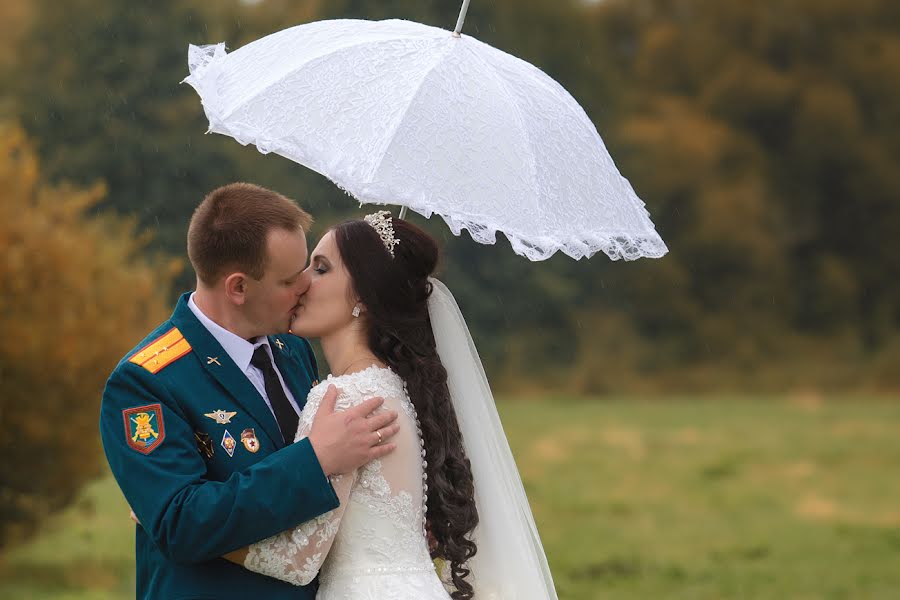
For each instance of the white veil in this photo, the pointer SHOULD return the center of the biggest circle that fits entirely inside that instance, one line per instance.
(510, 563)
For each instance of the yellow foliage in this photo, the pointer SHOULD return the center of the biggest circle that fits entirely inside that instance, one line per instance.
(15, 18)
(77, 290)
(685, 146)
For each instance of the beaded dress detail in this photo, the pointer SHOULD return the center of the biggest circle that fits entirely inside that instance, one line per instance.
(374, 544)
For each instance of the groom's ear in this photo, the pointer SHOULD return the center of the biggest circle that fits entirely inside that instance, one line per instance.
(236, 288)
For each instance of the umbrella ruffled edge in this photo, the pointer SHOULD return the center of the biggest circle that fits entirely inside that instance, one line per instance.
(616, 245)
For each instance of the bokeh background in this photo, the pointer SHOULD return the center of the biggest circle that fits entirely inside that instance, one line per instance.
(720, 423)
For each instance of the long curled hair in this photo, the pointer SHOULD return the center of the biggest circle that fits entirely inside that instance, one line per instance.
(395, 292)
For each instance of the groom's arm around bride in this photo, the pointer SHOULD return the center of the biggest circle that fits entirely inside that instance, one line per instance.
(191, 519)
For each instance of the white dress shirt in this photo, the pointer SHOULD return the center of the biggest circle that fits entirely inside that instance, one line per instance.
(241, 351)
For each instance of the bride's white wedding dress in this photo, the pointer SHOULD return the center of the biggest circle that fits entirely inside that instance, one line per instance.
(374, 544)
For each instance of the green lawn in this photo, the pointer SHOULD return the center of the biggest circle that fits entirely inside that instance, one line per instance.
(670, 499)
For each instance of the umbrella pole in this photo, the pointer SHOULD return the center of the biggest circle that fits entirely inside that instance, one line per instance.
(403, 210)
(462, 18)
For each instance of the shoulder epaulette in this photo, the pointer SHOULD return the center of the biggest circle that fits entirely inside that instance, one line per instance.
(162, 352)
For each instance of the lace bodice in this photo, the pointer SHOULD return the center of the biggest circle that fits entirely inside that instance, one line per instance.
(374, 543)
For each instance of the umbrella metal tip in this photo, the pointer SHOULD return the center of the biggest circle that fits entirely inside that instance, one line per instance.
(456, 34)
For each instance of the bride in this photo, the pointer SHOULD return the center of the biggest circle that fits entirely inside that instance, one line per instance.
(388, 329)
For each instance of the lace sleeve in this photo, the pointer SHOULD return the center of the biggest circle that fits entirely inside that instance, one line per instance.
(296, 556)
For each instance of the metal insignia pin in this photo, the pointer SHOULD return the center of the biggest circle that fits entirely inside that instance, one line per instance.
(204, 444)
(228, 443)
(248, 438)
(280, 344)
(213, 360)
(220, 416)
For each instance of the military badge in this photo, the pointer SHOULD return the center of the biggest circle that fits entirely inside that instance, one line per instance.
(220, 416)
(228, 443)
(248, 438)
(204, 444)
(144, 428)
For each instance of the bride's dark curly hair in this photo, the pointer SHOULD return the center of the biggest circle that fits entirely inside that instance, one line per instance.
(395, 292)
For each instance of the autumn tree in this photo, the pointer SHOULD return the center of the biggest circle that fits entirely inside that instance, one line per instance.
(77, 290)
(764, 137)
(96, 86)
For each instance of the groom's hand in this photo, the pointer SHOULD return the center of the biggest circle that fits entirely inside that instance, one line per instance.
(347, 440)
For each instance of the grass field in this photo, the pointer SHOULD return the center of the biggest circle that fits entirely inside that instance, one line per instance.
(671, 499)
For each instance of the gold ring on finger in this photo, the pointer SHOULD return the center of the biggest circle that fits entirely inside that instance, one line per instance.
(378, 433)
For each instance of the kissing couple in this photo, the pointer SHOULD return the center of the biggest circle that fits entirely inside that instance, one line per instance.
(248, 477)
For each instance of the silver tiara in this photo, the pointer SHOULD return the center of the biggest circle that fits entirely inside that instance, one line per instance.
(381, 222)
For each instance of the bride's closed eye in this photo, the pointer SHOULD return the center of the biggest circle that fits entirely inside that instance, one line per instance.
(320, 265)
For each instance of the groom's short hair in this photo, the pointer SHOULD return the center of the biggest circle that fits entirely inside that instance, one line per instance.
(230, 228)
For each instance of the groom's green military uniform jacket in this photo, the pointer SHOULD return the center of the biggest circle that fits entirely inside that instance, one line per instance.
(201, 460)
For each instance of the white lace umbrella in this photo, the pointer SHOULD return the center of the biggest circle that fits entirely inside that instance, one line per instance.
(396, 112)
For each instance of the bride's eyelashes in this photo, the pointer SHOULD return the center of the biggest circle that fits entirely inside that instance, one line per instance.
(321, 266)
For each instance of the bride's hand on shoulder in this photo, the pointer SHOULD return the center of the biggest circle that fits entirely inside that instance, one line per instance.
(346, 440)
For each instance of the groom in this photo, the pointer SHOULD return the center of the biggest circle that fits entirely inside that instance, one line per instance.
(198, 420)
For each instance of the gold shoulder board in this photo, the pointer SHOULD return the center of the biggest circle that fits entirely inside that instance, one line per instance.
(162, 352)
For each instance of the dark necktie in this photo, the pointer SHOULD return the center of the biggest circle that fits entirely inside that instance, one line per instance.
(284, 413)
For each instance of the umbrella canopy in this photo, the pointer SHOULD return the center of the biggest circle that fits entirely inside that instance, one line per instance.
(396, 112)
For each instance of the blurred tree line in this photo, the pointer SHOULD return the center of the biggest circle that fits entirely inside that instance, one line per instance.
(76, 292)
(764, 138)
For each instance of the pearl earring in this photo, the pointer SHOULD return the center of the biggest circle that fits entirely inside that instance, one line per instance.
(356, 310)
